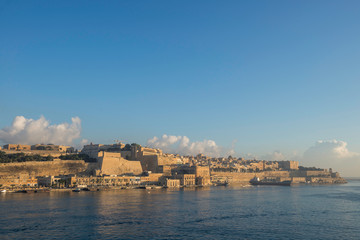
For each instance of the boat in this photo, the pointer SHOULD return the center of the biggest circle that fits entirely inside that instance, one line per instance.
(148, 187)
(21, 191)
(257, 181)
(219, 183)
(76, 190)
(3, 191)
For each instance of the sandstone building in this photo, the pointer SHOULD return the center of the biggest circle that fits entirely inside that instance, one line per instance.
(17, 147)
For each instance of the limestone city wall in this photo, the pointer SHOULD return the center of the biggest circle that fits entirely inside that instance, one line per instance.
(309, 173)
(113, 164)
(236, 177)
(47, 168)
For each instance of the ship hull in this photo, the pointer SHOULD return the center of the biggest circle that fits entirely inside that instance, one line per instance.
(284, 183)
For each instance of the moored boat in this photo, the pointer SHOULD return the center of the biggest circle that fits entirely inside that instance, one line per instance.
(257, 181)
(221, 183)
(21, 191)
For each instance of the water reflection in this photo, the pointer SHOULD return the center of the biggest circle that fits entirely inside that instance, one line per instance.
(129, 213)
(263, 212)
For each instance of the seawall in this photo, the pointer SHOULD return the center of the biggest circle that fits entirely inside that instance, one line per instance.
(238, 177)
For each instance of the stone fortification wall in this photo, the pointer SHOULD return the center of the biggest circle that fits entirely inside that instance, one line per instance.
(149, 162)
(295, 176)
(113, 164)
(126, 154)
(168, 160)
(237, 177)
(326, 180)
(234, 177)
(151, 158)
(48, 168)
(281, 174)
(318, 173)
(17, 147)
(289, 165)
(310, 174)
(152, 162)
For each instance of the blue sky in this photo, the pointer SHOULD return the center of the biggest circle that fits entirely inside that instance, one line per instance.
(274, 75)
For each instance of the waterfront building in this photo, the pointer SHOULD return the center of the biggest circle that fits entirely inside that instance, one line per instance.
(172, 183)
(186, 179)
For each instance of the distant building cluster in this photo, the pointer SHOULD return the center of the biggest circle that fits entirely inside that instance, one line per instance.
(232, 164)
(132, 165)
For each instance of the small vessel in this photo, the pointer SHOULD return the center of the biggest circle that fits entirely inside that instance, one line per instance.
(3, 191)
(219, 183)
(21, 191)
(257, 181)
(76, 190)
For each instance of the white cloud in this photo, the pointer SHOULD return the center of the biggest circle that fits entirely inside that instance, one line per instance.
(29, 131)
(274, 156)
(81, 144)
(182, 145)
(84, 142)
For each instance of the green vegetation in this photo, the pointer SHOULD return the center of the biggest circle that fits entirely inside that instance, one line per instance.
(21, 157)
(301, 168)
(84, 157)
(127, 147)
(135, 144)
(48, 148)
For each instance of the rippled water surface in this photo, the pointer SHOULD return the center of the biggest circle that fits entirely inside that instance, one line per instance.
(235, 212)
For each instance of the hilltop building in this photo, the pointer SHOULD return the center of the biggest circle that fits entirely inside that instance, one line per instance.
(92, 149)
(17, 147)
(52, 147)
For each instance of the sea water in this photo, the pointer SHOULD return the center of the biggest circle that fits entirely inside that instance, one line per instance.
(233, 212)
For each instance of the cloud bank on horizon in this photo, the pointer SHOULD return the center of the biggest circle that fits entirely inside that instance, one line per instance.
(324, 154)
(29, 131)
(332, 149)
(182, 145)
(333, 154)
